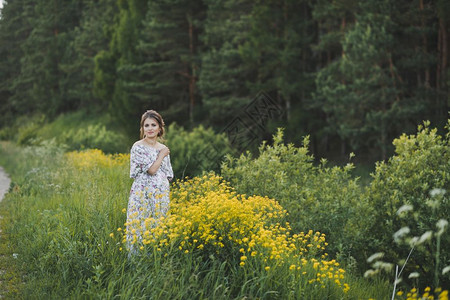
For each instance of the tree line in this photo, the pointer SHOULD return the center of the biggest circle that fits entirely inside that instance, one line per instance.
(351, 74)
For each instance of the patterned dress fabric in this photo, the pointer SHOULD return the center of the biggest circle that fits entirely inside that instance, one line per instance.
(149, 195)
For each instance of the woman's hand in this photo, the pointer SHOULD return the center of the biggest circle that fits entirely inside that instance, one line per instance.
(164, 152)
(155, 166)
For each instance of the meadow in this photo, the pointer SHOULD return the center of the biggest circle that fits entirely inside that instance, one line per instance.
(271, 226)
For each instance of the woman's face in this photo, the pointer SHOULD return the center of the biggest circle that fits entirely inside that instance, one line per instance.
(151, 128)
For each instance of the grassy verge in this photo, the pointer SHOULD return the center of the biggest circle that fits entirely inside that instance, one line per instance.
(64, 215)
(10, 276)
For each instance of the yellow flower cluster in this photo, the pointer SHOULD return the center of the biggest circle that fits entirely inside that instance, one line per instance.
(206, 212)
(414, 294)
(208, 217)
(328, 271)
(95, 158)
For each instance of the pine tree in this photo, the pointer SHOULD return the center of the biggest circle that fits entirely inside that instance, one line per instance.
(163, 73)
(332, 20)
(361, 91)
(37, 86)
(109, 78)
(223, 70)
(421, 57)
(442, 11)
(77, 66)
(15, 28)
(278, 51)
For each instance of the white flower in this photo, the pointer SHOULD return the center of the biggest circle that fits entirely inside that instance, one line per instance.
(414, 275)
(375, 256)
(436, 192)
(445, 270)
(441, 225)
(426, 236)
(401, 233)
(432, 203)
(370, 273)
(15, 255)
(404, 208)
(383, 265)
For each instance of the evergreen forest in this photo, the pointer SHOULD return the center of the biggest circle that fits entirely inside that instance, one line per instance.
(351, 74)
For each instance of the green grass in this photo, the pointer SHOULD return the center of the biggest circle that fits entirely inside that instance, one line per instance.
(59, 220)
(10, 275)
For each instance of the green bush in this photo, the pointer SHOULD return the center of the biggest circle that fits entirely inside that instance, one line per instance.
(6, 133)
(421, 164)
(94, 137)
(195, 151)
(76, 131)
(321, 198)
(27, 129)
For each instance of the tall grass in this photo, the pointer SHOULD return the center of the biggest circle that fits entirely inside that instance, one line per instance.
(64, 212)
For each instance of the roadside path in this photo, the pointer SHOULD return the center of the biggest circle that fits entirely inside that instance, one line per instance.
(4, 183)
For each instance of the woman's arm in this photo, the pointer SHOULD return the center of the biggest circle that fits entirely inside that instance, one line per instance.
(155, 166)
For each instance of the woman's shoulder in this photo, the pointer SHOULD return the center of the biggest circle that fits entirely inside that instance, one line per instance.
(141, 143)
(160, 146)
(137, 143)
(137, 146)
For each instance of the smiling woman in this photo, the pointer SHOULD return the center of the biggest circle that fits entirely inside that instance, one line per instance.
(151, 170)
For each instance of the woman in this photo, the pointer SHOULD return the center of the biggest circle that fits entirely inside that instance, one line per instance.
(151, 170)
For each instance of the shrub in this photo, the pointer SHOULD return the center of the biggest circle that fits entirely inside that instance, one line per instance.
(7, 133)
(94, 137)
(27, 129)
(421, 164)
(326, 199)
(73, 131)
(195, 151)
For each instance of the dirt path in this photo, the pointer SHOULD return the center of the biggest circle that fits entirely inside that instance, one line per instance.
(4, 183)
(4, 187)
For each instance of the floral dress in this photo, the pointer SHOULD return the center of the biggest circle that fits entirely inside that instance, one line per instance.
(149, 195)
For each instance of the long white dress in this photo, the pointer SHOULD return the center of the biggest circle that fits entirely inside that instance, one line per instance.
(149, 195)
